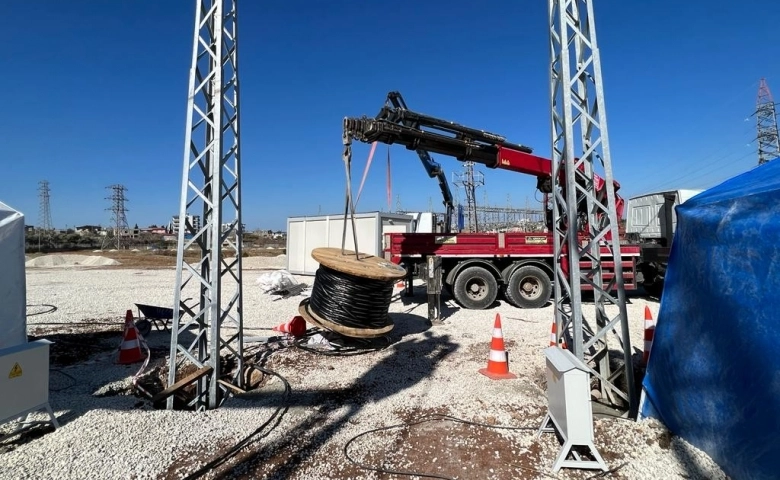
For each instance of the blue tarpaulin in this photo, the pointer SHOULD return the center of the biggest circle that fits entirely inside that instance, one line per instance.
(713, 377)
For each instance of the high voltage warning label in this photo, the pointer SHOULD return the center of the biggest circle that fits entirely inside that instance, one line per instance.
(16, 371)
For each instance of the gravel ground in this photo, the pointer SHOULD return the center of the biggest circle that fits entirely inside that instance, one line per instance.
(107, 433)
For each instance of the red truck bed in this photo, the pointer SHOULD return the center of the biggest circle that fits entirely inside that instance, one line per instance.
(497, 246)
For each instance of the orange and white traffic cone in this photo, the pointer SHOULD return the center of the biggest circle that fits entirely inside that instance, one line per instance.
(649, 335)
(295, 327)
(554, 337)
(130, 349)
(498, 364)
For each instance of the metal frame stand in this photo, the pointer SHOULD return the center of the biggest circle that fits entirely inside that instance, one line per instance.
(548, 426)
(24, 420)
(433, 288)
(579, 129)
(211, 181)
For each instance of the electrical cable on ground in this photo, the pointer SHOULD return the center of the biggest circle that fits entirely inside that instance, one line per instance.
(52, 308)
(608, 472)
(350, 301)
(256, 434)
(71, 377)
(427, 418)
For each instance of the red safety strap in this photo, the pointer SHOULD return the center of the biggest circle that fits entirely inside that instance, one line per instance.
(389, 184)
(365, 172)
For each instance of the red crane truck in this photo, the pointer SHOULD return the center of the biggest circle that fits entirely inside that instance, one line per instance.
(477, 268)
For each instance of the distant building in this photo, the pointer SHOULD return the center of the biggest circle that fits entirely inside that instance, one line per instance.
(84, 229)
(226, 227)
(173, 226)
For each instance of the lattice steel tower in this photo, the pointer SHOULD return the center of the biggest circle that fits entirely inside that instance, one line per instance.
(44, 213)
(469, 180)
(118, 212)
(580, 146)
(766, 120)
(211, 188)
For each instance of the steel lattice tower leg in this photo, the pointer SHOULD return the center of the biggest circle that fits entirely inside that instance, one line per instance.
(766, 122)
(579, 129)
(211, 182)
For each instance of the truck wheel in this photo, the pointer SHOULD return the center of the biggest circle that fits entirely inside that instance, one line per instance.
(475, 288)
(529, 287)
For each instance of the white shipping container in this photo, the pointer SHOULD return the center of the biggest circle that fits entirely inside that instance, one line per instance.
(304, 234)
(652, 216)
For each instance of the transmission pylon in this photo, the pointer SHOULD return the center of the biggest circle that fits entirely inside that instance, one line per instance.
(580, 146)
(469, 180)
(118, 213)
(766, 120)
(44, 213)
(211, 188)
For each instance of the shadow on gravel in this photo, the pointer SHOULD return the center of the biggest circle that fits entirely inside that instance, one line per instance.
(419, 299)
(322, 412)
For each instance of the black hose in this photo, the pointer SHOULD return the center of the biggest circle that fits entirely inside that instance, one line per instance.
(349, 300)
(260, 432)
(51, 308)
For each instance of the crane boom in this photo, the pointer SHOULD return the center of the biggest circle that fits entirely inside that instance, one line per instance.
(396, 124)
(394, 103)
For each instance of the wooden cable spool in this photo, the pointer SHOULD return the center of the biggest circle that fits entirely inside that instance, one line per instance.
(351, 293)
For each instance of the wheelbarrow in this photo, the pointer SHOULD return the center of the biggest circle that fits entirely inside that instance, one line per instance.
(149, 315)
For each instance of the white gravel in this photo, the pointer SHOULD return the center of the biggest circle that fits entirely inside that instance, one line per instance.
(428, 369)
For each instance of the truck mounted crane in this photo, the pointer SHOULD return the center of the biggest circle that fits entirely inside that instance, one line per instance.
(476, 268)
(396, 124)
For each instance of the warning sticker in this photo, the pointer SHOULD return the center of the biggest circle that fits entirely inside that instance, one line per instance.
(16, 371)
(446, 239)
(535, 240)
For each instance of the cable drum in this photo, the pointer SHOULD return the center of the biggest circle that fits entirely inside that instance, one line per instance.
(351, 293)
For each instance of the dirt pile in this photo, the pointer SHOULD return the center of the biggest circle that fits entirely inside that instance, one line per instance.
(49, 261)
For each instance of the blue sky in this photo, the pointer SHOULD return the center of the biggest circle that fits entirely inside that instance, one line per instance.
(95, 94)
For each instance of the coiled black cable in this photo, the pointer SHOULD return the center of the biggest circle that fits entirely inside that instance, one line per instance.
(349, 300)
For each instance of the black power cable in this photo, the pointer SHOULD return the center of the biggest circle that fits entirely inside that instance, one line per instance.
(51, 308)
(256, 434)
(349, 300)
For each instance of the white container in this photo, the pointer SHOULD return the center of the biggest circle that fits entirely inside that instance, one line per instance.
(13, 290)
(304, 234)
(651, 217)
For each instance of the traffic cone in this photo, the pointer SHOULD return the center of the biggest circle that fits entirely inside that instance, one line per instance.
(498, 364)
(649, 335)
(295, 327)
(130, 349)
(554, 336)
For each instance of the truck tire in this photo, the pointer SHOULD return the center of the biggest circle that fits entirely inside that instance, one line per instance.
(475, 288)
(529, 287)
